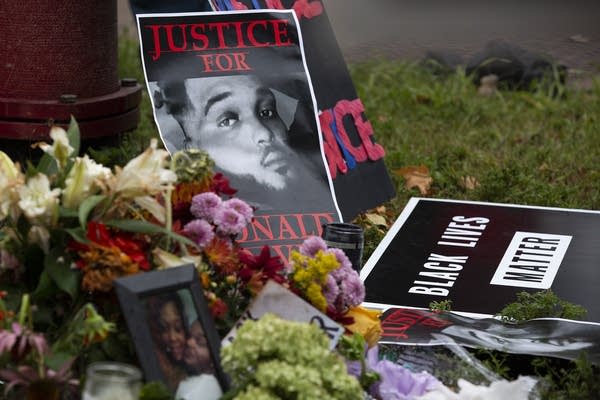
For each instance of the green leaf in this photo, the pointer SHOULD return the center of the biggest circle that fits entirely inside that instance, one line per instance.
(139, 226)
(87, 206)
(74, 136)
(61, 273)
(78, 234)
(55, 360)
(67, 212)
(45, 286)
(47, 165)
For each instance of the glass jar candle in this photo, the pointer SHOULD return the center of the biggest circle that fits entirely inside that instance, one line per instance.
(108, 380)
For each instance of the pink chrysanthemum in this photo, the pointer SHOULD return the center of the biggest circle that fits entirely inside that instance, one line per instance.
(341, 257)
(204, 205)
(312, 245)
(353, 290)
(200, 231)
(241, 207)
(341, 273)
(331, 291)
(229, 221)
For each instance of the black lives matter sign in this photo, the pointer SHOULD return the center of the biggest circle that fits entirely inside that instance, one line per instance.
(480, 255)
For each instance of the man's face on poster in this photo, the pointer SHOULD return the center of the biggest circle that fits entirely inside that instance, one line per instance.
(235, 120)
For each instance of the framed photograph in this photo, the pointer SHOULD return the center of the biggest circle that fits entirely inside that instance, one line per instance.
(174, 335)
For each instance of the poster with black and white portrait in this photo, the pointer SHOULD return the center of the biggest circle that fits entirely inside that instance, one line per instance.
(236, 85)
(354, 158)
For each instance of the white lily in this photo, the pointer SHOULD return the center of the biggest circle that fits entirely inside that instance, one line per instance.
(61, 148)
(151, 205)
(164, 259)
(38, 201)
(145, 175)
(85, 178)
(10, 179)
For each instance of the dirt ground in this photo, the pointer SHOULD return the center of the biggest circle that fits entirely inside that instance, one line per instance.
(566, 31)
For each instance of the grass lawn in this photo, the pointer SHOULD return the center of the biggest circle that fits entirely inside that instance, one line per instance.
(540, 147)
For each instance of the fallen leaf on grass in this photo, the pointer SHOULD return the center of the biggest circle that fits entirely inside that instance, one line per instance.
(469, 182)
(376, 219)
(416, 176)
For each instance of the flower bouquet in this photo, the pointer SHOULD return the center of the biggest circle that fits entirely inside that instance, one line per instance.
(71, 226)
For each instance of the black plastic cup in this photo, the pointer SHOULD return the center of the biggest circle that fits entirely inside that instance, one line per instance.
(349, 238)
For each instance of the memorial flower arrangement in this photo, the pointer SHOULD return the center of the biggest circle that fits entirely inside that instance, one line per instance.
(70, 226)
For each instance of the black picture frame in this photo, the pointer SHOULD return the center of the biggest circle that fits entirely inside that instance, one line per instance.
(133, 293)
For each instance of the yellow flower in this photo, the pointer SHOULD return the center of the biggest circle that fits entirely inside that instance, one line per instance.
(366, 323)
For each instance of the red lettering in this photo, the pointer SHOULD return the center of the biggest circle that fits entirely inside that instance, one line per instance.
(171, 41)
(156, 40)
(219, 27)
(250, 31)
(280, 32)
(318, 221)
(301, 225)
(275, 4)
(304, 9)
(365, 131)
(366, 150)
(435, 323)
(225, 62)
(286, 229)
(265, 229)
(283, 251)
(196, 35)
(237, 5)
(395, 332)
(240, 60)
(207, 59)
(239, 34)
(335, 161)
(341, 109)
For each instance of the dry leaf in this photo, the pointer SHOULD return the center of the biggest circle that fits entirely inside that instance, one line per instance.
(381, 210)
(416, 177)
(469, 182)
(376, 219)
(423, 99)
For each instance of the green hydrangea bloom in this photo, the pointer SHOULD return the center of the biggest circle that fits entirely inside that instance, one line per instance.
(276, 359)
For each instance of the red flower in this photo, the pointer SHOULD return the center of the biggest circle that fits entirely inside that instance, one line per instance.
(221, 254)
(99, 234)
(264, 264)
(218, 308)
(257, 270)
(220, 185)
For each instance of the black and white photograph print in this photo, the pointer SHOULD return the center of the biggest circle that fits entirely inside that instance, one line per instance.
(263, 139)
(236, 85)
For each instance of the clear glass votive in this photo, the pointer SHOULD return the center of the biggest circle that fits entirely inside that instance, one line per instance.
(109, 380)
